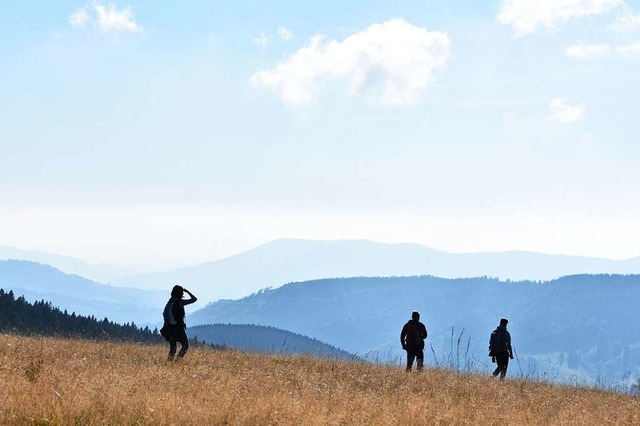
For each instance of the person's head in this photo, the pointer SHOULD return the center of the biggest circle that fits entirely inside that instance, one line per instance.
(177, 291)
(415, 315)
(504, 322)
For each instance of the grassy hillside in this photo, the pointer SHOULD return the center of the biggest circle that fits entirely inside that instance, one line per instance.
(49, 381)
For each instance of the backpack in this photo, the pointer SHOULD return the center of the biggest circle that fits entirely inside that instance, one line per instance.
(497, 342)
(414, 338)
(167, 314)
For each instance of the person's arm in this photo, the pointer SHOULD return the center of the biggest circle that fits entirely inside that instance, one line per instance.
(191, 300)
(424, 332)
(403, 335)
(509, 345)
(493, 358)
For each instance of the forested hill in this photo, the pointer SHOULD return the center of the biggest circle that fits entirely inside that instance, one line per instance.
(257, 338)
(41, 318)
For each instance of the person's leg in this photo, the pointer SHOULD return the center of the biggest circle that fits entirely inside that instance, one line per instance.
(502, 361)
(172, 348)
(184, 341)
(505, 364)
(420, 356)
(411, 354)
(498, 369)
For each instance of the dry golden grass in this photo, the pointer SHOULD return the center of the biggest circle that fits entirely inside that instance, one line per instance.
(53, 381)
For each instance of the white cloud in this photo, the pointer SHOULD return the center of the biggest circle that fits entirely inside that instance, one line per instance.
(110, 19)
(285, 33)
(628, 22)
(79, 18)
(585, 51)
(391, 63)
(261, 41)
(630, 49)
(527, 16)
(107, 19)
(560, 110)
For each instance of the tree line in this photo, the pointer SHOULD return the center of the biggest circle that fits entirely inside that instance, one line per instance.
(42, 318)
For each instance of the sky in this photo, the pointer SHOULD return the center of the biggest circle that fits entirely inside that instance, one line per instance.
(153, 133)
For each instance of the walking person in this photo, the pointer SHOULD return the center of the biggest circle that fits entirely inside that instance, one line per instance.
(174, 328)
(500, 348)
(412, 339)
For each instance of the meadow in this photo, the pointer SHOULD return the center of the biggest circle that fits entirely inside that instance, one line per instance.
(66, 381)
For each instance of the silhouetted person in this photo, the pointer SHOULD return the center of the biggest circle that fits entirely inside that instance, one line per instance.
(500, 348)
(174, 329)
(412, 339)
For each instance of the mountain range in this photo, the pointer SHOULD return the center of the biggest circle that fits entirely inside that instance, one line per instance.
(581, 325)
(74, 293)
(70, 265)
(288, 260)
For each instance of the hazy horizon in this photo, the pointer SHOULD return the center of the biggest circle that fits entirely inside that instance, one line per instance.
(156, 134)
(176, 263)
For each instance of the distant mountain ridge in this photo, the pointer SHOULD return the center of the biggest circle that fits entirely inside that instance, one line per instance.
(67, 264)
(74, 293)
(288, 260)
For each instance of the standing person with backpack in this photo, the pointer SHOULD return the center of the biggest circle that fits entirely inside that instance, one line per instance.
(412, 339)
(174, 328)
(500, 348)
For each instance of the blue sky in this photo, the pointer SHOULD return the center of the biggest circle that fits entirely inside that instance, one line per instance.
(147, 133)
